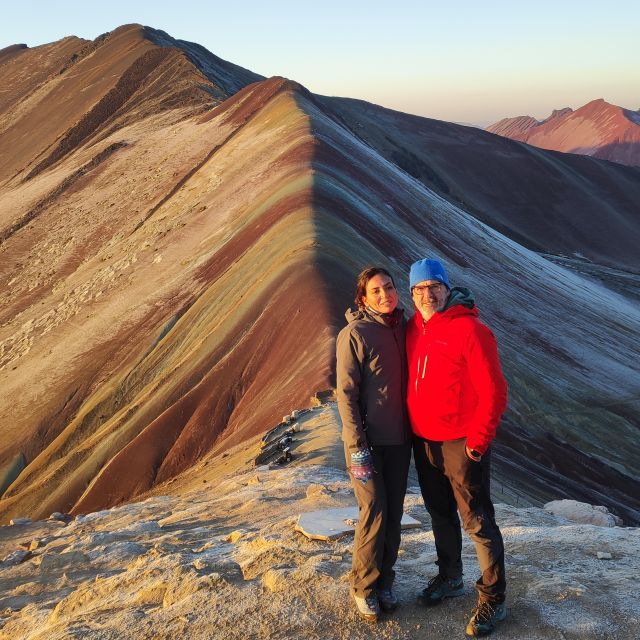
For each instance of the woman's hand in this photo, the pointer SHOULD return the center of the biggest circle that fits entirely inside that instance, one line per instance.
(362, 465)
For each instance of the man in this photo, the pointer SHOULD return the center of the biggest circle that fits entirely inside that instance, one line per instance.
(456, 396)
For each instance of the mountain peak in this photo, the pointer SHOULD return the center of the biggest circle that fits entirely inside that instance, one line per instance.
(149, 72)
(598, 129)
(558, 113)
(598, 106)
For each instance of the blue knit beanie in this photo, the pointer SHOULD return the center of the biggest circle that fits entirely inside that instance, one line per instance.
(428, 270)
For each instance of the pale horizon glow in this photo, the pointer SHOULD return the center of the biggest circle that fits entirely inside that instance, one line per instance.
(465, 62)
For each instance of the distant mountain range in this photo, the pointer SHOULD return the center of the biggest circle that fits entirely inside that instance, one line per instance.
(179, 239)
(597, 129)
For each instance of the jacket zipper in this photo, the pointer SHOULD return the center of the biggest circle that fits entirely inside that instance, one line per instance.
(424, 365)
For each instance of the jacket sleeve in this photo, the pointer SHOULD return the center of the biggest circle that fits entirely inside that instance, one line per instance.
(349, 365)
(481, 353)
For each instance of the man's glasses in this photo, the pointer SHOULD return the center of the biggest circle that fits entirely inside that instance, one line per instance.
(432, 288)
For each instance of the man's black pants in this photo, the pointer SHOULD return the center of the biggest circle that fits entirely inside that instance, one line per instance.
(449, 482)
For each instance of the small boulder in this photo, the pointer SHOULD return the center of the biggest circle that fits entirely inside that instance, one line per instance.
(315, 490)
(583, 513)
(277, 580)
(234, 536)
(71, 560)
(61, 517)
(17, 557)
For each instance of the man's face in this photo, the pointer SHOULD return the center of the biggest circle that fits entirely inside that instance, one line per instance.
(381, 294)
(429, 296)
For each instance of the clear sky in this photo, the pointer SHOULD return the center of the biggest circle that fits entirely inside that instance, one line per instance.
(462, 61)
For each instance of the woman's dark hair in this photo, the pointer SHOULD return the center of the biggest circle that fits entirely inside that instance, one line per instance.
(363, 280)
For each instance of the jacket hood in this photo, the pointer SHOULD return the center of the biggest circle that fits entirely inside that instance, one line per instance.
(460, 296)
(364, 313)
(460, 303)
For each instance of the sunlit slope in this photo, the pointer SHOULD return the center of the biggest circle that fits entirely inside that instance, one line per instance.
(181, 319)
(74, 92)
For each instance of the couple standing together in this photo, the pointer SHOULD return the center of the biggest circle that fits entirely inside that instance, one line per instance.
(433, 384)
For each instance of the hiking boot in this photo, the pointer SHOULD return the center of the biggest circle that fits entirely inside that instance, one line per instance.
(484, 619)
(368, 607)
(440, 588)
(387, 599)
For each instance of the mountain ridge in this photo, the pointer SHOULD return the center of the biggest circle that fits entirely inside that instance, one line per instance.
(175, 280)
(597, 129)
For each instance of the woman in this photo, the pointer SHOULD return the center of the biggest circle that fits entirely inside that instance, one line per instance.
(371, 377)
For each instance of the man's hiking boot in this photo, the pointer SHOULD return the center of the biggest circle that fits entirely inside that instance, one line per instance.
(440, 588)
(388, 600)
(484, 619)
(368, 608)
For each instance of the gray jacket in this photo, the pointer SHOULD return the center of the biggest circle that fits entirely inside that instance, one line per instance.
(371, 379)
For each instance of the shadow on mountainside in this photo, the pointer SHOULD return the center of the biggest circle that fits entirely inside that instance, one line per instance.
(363, 215)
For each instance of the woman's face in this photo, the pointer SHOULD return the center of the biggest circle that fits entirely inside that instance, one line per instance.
(381, 294)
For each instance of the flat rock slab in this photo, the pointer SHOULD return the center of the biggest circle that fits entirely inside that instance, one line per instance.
(329, 524)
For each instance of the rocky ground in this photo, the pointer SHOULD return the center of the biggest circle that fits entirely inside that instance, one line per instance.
(217, 556)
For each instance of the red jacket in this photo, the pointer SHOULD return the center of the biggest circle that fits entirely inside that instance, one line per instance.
(456, 388)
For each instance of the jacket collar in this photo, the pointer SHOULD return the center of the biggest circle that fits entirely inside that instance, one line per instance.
(448, 314)
(370, 315)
